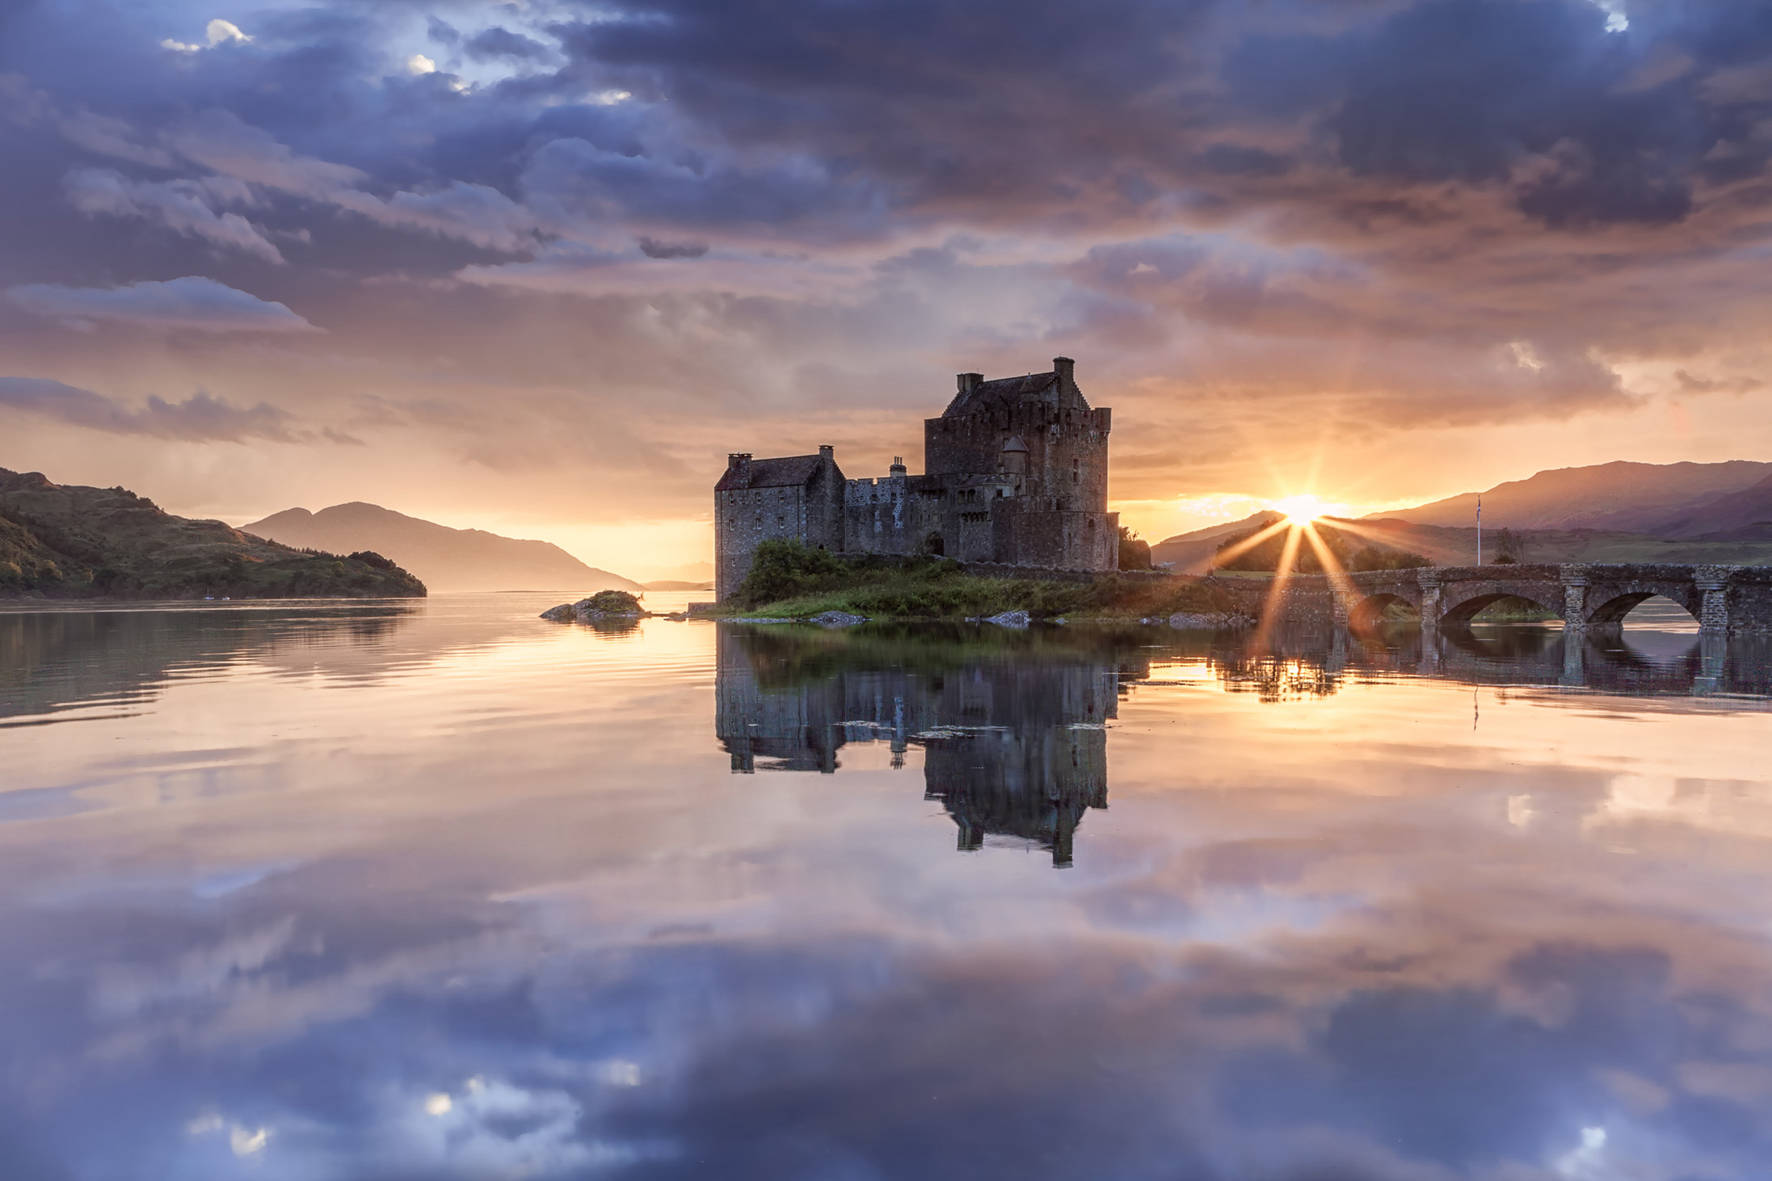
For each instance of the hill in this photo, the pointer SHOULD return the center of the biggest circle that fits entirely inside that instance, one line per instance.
(1192, 553)
(447, 559)
(71, 541)
(1621, 497)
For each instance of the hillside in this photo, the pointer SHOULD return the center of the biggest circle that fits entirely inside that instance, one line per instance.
(71, 541)
(447, 559)
(1736, 516)
(1192, 553)
(1445, 546)
(1620, 497)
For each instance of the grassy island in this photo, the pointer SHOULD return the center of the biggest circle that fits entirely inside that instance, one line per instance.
(792, 581)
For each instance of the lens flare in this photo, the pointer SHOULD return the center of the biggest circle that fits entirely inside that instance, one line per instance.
(1300, 510)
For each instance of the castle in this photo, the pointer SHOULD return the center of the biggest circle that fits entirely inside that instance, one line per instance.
(1017, 476)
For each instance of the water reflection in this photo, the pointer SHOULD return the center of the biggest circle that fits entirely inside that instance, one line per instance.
(1013, 730)
(1316, 663)
(55, 660)
(477, 896)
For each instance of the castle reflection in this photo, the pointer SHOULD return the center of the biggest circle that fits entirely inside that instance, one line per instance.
(1012, 727)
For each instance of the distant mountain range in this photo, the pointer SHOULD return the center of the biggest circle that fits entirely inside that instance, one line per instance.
(447, 559)
(1611, 512)
(1674, 500)
(72, 541)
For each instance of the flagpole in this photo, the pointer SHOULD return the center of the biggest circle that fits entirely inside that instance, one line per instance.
(1479, 528)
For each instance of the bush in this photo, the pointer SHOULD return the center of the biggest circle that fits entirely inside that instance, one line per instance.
(1135, 554)
(614, 602)
(370, 558)
(788, 569)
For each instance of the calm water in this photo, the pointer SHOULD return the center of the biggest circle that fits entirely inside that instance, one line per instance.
(380, 892)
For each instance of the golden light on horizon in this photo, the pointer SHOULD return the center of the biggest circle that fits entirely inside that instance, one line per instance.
(1301, 509)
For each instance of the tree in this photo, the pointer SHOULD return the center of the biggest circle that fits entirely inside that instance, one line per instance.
(1135, 554)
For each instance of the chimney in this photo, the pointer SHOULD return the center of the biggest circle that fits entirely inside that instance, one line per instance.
(898, 469)
(827, 451)
(968, 381)
(738, 461)
(1065, 368)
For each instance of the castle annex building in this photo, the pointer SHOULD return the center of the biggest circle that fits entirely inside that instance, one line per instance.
(1017, 475)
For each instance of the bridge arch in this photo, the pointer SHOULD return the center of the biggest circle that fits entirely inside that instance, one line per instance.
(1460, 613)
(1368, 613)
(1611, 607)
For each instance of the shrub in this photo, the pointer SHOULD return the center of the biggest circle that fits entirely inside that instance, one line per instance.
(788, 569)
(614, 602)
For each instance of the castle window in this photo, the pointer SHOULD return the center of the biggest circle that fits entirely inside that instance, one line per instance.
(1076, 470)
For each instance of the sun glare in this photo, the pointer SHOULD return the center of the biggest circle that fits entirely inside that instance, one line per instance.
(1300, 510)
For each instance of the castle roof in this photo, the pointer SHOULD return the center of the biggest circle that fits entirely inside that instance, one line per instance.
(1002, 389)
(791, 471)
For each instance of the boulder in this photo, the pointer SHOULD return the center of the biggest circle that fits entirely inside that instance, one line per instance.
(837, 619)
(1016, 619)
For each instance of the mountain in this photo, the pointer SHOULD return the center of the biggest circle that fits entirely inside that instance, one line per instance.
(1192, 553)
(1446, 546)
(71, 541)
(1620, 497)
(447, 559)
(1736, 516)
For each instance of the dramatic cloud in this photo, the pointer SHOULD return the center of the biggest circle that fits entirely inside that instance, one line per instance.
(192, 303)
(498, 42)
(185, 207)
(1269, 232)
(198, 418)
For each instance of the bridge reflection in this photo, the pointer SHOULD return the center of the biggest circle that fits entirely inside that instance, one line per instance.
(1315, 661)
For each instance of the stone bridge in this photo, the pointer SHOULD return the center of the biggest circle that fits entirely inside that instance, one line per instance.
(1588, 597)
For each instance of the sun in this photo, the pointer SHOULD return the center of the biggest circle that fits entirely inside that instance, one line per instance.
(1300, 510)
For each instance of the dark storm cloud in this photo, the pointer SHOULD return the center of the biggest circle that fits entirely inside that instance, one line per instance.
(199, 417)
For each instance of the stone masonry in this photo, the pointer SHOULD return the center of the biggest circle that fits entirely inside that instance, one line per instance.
(1017, 476)
(1588, 597)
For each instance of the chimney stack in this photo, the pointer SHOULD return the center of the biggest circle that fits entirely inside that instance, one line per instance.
(738, 461)
(1066, 370)
(827, 451)
(968, 381)
(898, 469)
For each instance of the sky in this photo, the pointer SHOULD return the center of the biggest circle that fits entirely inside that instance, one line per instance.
(537, 266)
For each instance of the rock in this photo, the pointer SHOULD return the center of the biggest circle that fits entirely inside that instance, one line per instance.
(1016, 619)
(1206, 620)
(837, 619)
(561, 614)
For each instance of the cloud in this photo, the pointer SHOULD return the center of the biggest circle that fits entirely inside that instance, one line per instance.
(188, 207)
(192, 303)
(473, 213)
(498, 42)
(201, 417)
(218, 32)
(657, 248)
(419, 64)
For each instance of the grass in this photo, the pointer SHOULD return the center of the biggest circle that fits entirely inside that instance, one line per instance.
(788, 581)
